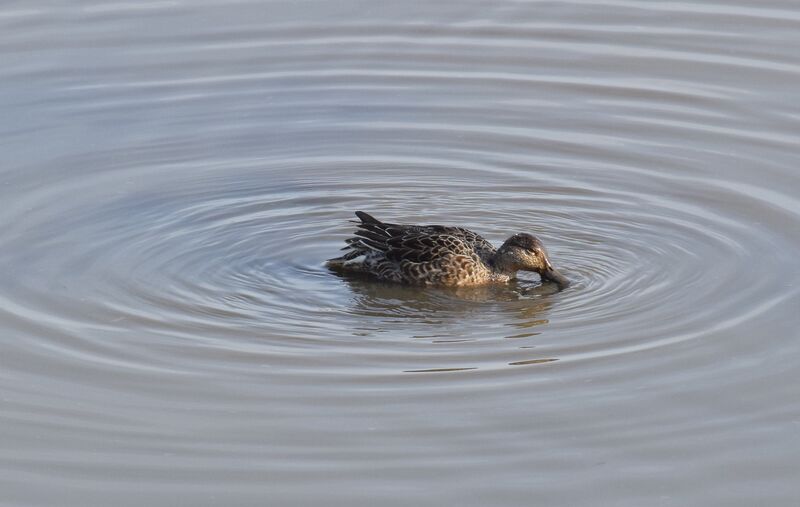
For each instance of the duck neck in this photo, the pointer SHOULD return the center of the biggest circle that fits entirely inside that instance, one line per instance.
(502, 264)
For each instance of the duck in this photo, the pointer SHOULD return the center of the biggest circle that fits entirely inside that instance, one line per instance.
(438, 255)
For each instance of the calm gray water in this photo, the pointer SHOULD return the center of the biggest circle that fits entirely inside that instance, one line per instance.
(174, 173)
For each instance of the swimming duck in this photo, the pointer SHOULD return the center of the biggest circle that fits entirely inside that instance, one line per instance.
(437, 255)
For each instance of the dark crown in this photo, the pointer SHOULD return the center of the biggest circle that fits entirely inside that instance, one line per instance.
(525, 241)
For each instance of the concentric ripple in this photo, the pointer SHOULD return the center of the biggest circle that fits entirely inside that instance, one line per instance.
(237, 261)
(176, 173)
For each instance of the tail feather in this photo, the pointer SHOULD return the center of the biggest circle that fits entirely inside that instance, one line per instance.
(371, 227)
(351, 243)
(366, 218)
(339, 262)
(371, 236)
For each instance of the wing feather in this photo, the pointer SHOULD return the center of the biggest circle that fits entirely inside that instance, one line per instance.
(417, 252)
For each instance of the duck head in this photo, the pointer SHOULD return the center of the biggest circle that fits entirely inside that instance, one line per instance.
(523, 252)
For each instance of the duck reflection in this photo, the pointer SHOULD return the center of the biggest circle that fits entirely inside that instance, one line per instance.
(516, 311)
(526, 302)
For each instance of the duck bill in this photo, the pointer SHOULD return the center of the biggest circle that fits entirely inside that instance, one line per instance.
(551, 274)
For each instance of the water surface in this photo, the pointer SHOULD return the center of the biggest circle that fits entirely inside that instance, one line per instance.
(175, 173)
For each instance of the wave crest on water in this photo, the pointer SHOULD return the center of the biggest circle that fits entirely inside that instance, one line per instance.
(239, 260)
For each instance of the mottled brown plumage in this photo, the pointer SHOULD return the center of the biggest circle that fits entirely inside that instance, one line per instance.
(440, 255)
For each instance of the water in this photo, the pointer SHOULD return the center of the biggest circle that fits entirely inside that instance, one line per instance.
(175, 173)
